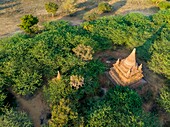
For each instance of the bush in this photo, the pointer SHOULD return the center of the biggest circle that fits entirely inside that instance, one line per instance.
(56, 90)
(164, 100)
(13, 118)
(90, 16)
(160, 58)
(104, 7)
(164, 5)
(162, 17)
(51, 8)
(64, 114)
(68, 6)
(76, 81)
(120, 106)
(157, 1)
(27, 22)
(84, 52)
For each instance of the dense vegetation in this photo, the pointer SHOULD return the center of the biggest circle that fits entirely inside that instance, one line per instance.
(29, 63)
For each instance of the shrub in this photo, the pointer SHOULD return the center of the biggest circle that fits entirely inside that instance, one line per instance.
(13, 118)
(76, 81)
(162, 17)
(84, 52)
(26, 82)
(27, 22)
(164, 98)
(157, 1)
(64, 114)
(104, 7)
(51, 8)
(164, 5)
(68, 6)
(120, 106)
(56, 90)
(90, 16)
(160, 58)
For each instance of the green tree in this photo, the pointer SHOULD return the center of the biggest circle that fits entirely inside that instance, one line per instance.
(160, 58)
(13, 118)
(68, 6)
(51, 8)
(27, 23)
(84, 52)
(164, 100)
(56, 90)
(64, 114)
(104, 7)
(164, 5)
(121, 106)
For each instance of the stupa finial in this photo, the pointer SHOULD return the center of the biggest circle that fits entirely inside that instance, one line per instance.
(58, 76)
(131, 59)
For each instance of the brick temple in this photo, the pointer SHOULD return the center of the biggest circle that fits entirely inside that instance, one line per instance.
(126, 72)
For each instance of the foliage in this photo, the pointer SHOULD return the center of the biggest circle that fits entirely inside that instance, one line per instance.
(13, 118)
(76, 81)
(31, 81)
(64, 114)
(68, 6)
(90, 16)
(157, 1)
(84, 52)
(56, 90)
(104, 7)
(162, 17)
(131, 30)
(160, 58)
(164, 5)
(27, 22)
(3, 94)
(120, 107)
(51, 8)
(164, 98)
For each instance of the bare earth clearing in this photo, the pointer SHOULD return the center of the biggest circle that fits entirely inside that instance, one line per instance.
(12, 10)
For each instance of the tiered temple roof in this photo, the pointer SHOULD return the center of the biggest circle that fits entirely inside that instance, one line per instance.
(126, 72)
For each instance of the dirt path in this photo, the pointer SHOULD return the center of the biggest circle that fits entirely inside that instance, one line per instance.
(35, 107)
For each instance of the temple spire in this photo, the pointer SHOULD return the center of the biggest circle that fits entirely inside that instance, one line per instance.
(131, 59)
(58, 76)
(140, 67)
(126, 72)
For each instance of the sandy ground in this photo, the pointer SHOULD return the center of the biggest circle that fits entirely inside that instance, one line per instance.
(35, 106)
(12, 10)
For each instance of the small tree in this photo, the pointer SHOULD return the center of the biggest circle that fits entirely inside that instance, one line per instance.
(76, 81)
(84, 52)
(164, 99)
(68, 6)
(13, 118)
(104, 7)
(51, 8)
(27, 23)
(64, 114)
(90, 16)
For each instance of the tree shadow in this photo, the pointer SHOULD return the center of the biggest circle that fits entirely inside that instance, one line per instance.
(86, 8)
(143, 50)
(116, 6)
(146, 11)
(6, 1)
(9, 6)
